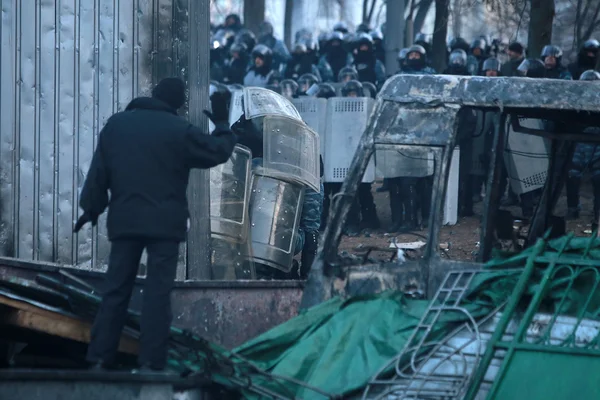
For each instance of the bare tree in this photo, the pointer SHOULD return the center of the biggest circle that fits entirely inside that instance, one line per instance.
(439, 52)
(423, 8)
(254, 14)
(287, 23)
(368, 9)
(587, 20)
(540, 26)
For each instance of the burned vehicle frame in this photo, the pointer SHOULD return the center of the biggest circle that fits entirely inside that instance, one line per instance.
(418, 110)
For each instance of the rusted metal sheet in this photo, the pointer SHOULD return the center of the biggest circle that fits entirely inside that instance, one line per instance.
(226, 312)
(66, 67)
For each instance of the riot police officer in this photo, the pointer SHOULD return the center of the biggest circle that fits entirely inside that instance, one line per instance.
(347, 74)
(302, 62)
(552, 58)
(416, 61)
(237, 65)
(305, 82)
(585, 157)
(491, 67)
(266, 36)
(335, 55)
(587, 58)
(369, 68)
(260, 73)
(402, 60)
(378, 45)
(457, 63)
(477, 56)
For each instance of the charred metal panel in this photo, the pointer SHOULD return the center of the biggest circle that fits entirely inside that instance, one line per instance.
(67, 66)
(515, 93)
(226, 312)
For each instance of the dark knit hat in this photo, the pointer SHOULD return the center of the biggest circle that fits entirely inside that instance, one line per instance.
(516, 47)
(170, 91)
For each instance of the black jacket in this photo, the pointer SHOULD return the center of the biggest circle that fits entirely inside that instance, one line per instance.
(143, 158)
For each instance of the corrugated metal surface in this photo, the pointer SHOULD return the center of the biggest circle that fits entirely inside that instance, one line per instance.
(66, 66)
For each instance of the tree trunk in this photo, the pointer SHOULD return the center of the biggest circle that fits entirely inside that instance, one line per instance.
(254, 14)
(440, 30)
(423, 10)
(287, 23)
(394, 35)
(540, 26)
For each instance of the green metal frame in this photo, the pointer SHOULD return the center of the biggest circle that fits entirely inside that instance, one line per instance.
(559, 267)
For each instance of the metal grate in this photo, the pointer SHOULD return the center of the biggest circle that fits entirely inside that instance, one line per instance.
(538, 179)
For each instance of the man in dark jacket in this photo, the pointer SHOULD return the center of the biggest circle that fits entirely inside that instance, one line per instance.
(144, 157)
(516, 53)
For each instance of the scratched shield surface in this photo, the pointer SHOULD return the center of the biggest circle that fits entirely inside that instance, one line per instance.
(67, 66)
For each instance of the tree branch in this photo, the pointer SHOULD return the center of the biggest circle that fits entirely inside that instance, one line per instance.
(371, 11)
(593, 24)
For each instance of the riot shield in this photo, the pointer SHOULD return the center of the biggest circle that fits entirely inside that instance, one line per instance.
(236, 108)
(314, 113)
(259, 102)
(526, 157)
(291, 151)
(394, 161)
(275, 210)
(229, 219)
(347, 118)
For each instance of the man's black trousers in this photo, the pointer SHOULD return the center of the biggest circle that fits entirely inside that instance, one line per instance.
(156, 308)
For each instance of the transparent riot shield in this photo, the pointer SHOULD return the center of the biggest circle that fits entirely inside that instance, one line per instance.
(291, 151)
(314, 113)
(229, 203)
(275, 210)
(347, 118)
(259, 102)
(394, 161)
(526, 157)
(236, 109)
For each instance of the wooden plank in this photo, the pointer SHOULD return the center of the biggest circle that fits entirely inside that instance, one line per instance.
(28, 316)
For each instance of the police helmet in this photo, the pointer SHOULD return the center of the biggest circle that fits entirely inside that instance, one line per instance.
(239, 48)
(222, 38)
(416, 48)
(263, 52)
(326, 91)
(531, 68)
(491, 64)
(552, 51)
(299, 48)
(478, 43)
(591, 45)
(303, 34)
(247, 37)
(274, 79)
(376, 35)
(311, 44)
(346, 74)
(458, 57)
(335, 35)
(289, 88)
(341, 27)
(458, 43)
(590, 75)
(421, 39)
(369, 89)
(363, 28)
(306, 81)
(362, 39)
(352, 86)
(265, 29)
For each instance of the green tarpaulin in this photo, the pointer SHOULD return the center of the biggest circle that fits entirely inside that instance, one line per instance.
(339, 345)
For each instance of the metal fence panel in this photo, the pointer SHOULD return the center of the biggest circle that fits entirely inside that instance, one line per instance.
(66, 68)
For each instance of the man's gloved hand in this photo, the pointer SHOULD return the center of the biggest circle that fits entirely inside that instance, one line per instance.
(219, 102)
(84, 219)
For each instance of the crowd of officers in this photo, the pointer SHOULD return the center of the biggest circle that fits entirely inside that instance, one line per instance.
(357, 60)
